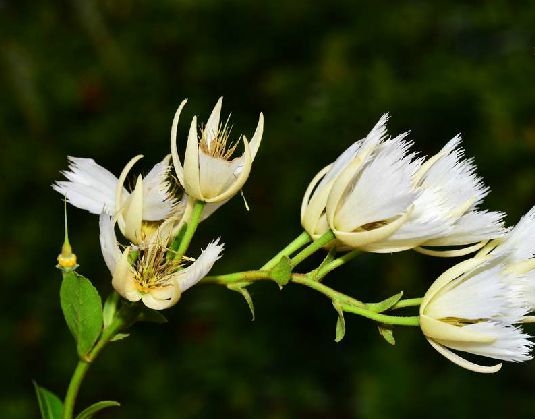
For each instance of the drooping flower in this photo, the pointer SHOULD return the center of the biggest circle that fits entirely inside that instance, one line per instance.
(209, 173)
(91, 187)
(378, 197)
(475, 307)
(146, 272)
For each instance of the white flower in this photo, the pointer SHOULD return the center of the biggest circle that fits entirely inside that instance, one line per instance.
(474, 307)
(209, 173)
(153, 278)
(378, 197)
(91, 187)
(517, 250)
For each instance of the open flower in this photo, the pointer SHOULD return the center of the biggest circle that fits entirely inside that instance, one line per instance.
(517, 250)
(147, 273)
(91, 187)
(475, 307)
(209, 172)
(378, 197)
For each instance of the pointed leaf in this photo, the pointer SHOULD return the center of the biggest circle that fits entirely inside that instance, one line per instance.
(385, 304)
(50, 405)
(282, 271)
(340, 323)
(387, 333)
(96, 407)
(82, 309)
(245, 293)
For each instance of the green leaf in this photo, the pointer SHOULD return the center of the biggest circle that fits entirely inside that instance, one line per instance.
(50, 405)
(96, 407)
(385, 304)
(151, 316)
(82, 309)
(282, 271)
(387, 333)
(110, 308)
(245, 293)
(340, 323)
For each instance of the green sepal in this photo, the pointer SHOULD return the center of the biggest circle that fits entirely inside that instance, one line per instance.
(340, 323)
(119, 336)
(328, 259)
(82, 309)
(387, 332)
(96, 407)
(110, 308)
(385, 304)
(151, 316)
(175, 244)
(50, 405)
(281, 273)
(241, 288)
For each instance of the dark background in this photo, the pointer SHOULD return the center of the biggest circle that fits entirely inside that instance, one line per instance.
(102, 79)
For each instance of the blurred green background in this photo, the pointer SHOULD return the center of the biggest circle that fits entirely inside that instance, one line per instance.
(102, 79)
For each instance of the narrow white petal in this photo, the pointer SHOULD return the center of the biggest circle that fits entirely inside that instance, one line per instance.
(191, 163)
(123, 278)
(108, 242)
(189, 276)
(257, 136)
(174, 147)
(133, 213)
(212, 125)
(157, 201)
(456, 359)
(119, 198)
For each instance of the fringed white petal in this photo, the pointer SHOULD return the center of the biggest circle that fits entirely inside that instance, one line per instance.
(89, 186)
(189, 276)
(157, 201)
(364, 203)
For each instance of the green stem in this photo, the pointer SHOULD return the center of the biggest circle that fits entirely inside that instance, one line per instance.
(246, 276)
(382, 318)
(119, 322)
(409, 302)
(352, 305)
(313, 247)
(296, 244)
(193, 222)
(325, 290)
(336, 263)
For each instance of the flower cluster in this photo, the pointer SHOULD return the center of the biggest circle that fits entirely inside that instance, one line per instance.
(152, 215)
(377, 196)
